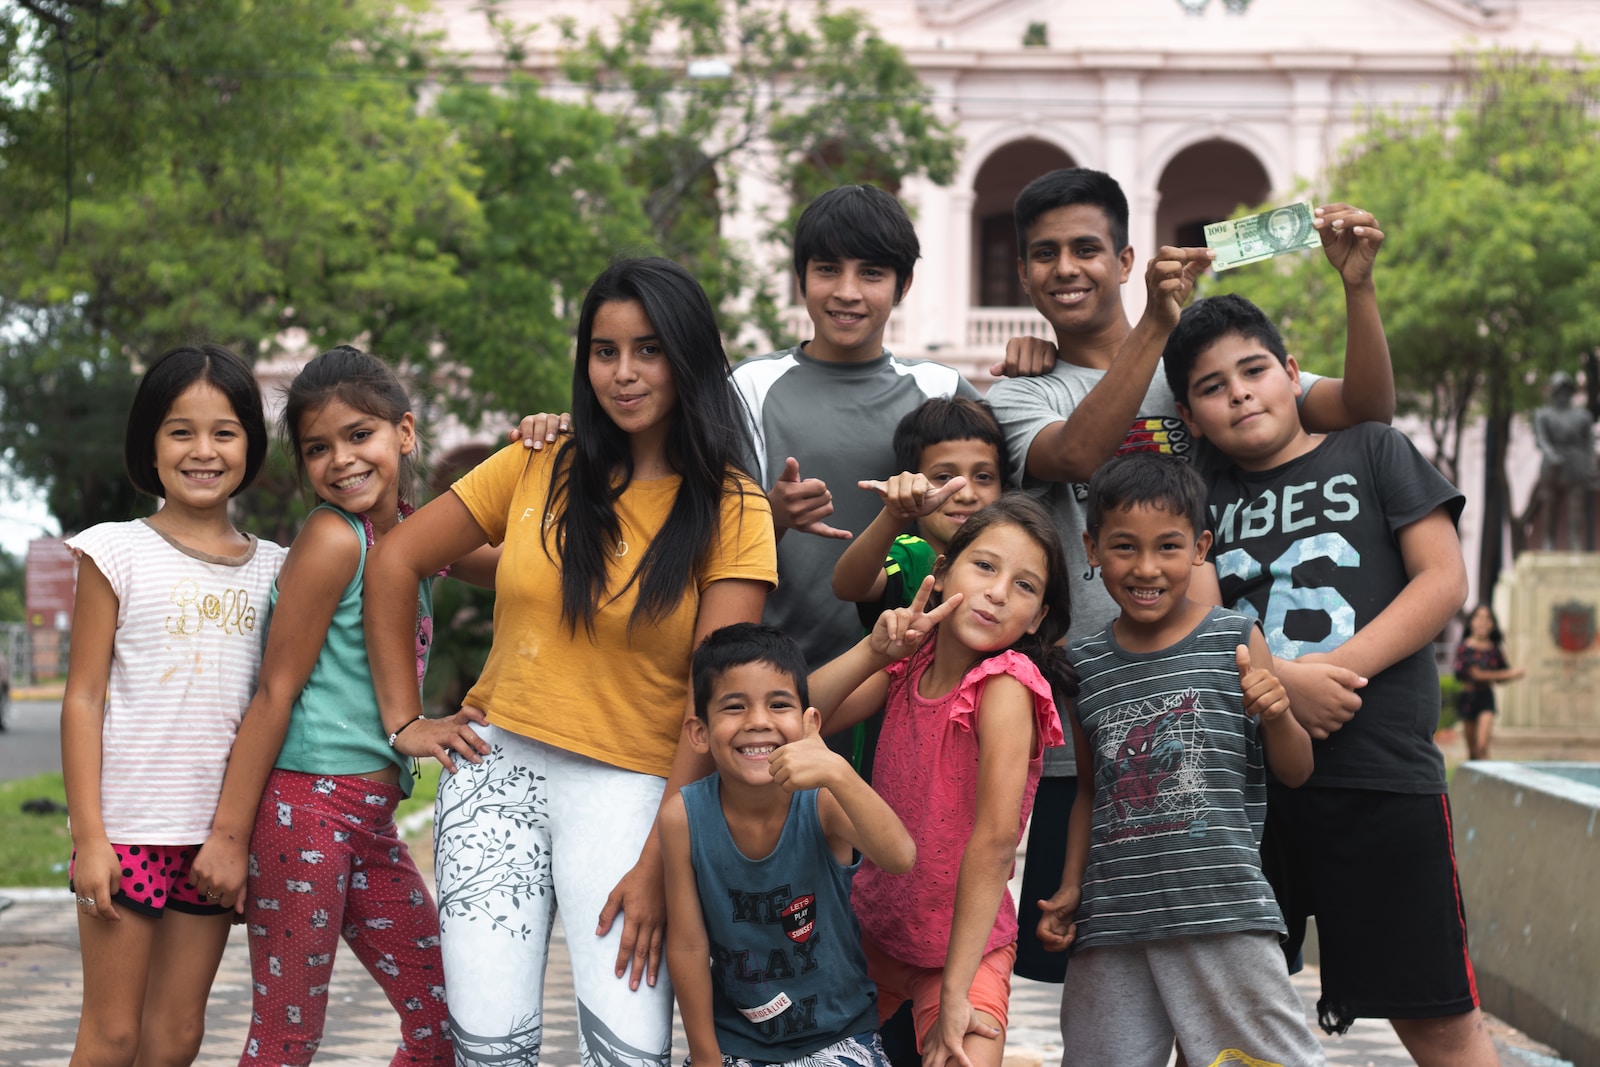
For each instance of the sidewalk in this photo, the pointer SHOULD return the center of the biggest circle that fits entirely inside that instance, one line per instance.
(40, 994)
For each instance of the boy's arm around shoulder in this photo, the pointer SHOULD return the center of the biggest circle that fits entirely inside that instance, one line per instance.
(688, 945)
(1287, 745)
(1436, 587)
(850, 812)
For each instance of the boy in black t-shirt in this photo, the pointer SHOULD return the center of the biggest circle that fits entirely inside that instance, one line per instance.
(1344, 546)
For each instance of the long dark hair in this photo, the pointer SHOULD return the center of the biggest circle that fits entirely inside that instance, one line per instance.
(707, 443)
(1043, 646)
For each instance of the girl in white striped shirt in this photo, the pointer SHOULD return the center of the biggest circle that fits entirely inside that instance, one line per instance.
(166, 640)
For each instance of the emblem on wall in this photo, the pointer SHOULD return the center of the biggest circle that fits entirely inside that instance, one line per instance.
(1572, 625)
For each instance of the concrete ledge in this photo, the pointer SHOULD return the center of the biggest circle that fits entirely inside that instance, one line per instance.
(1527, 842)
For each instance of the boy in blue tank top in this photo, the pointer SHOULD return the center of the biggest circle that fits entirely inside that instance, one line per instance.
(759, 860)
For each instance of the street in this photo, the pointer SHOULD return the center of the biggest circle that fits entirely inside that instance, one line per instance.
(31, 743)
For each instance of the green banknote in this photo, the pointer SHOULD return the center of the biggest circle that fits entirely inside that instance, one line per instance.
(1257, 237)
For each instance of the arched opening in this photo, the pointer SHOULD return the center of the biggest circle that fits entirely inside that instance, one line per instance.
(1203, 184)
(994, 236)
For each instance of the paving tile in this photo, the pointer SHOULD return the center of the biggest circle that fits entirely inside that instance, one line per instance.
(40, 991)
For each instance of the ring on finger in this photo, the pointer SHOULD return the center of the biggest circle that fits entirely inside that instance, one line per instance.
(86, 902)
(213, 896)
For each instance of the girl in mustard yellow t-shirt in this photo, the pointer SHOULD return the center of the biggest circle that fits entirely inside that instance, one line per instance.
(623, 548)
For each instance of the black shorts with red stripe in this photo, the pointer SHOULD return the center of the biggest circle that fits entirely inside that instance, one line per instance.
(1378, 871)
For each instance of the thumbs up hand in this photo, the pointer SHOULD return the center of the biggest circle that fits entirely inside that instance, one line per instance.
(1264, 695)
(807, 762)
(802, 504)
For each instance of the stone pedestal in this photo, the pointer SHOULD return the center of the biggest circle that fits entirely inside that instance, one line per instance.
(1548, 605)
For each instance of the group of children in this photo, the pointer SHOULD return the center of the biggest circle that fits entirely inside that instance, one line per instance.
(1193, 652)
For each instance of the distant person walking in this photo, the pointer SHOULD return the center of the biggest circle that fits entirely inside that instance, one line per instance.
(1481, 662)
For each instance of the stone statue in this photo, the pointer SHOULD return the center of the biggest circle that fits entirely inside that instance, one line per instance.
(1565, 436)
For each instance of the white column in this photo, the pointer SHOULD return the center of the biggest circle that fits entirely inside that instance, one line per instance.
(1121, 113)
(1312, 97)
(958, 269)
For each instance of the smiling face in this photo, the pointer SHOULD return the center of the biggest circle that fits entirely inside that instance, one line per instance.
(1146, 556)
(1246, 403)
(849, 301)
(754, 709)
(352, 458)
(200, 449)
(631, 375)
(1481, 625)
(979, 464)
(1002, 575)
(1073, 272)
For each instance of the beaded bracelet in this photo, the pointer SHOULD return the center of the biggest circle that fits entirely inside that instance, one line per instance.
(396, 735)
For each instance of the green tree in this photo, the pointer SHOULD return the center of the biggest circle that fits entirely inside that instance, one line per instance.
(557, 207)
(225, 171)
(13, 588)
(1491, 207)
(707, 91)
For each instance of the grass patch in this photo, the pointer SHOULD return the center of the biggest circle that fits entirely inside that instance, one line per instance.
(33, 846)
(422, 794)
(35, 849)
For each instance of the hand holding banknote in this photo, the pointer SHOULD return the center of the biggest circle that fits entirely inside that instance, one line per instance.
(1237, 242)
(1350, 240)
(1169, 280)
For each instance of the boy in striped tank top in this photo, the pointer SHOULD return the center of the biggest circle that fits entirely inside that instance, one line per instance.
(1174, 927)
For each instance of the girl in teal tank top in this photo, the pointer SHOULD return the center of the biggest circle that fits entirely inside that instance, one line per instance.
(304, 844)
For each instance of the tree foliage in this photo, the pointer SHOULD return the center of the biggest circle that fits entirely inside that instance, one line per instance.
(265, 173)
(710, 92)
(1491, 207)
(220, 171)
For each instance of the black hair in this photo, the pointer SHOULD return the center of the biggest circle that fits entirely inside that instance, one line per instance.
(1163, 482)
(706, 442)
(359, 380)
(1494, 635)
(941, 419)
(857, 222)
(165, 381)
(1204, 323)
(1043, 646)
(1064, 188)
(739, 644)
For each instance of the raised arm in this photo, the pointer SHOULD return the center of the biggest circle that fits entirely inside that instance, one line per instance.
(1070, 451)
(859, 577)
(852, 815)
(320, 564)
(1350, 240)
(853, 686)
(97, 873)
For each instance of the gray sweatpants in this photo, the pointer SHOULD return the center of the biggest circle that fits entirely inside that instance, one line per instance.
(1225, 997)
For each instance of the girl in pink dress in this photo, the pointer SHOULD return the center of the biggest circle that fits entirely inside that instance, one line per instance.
(966, 675)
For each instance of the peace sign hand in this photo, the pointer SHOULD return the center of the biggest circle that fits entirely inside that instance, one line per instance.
(901, 632)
